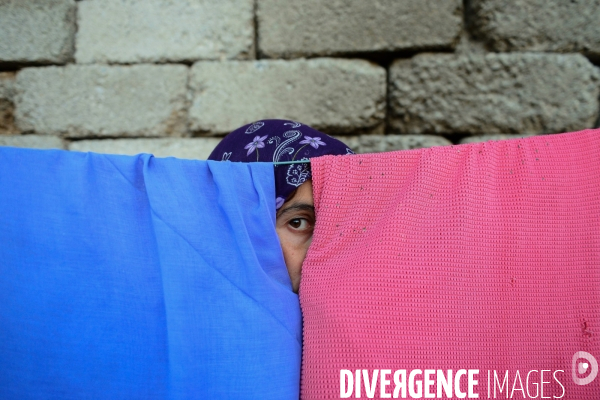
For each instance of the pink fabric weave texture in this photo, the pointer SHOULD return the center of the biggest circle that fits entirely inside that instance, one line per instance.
(479, 256)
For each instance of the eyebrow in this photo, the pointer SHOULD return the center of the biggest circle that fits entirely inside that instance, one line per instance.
(296, 207)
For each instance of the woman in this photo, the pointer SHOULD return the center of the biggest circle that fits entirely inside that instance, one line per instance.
(283, 141)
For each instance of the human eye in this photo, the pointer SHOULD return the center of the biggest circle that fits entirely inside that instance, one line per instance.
(300, 224)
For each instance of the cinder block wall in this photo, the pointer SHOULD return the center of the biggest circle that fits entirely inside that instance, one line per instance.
(170, 77)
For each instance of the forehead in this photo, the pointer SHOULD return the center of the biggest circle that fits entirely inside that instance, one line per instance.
(304, 194)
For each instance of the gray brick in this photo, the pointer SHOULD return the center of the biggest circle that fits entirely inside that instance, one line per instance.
(333, 95)
(380, 143)
(133, 31)
(32, 141)
(493, 93)
(79, 101)
(7, 107)
(37, 31)
(290, 28)
(496, 136)
(538, 25)
(7, 86)
(196, 148)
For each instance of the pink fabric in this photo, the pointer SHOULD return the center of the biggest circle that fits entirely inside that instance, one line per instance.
(479, 256)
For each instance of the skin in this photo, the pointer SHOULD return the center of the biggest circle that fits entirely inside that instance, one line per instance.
(294, 226)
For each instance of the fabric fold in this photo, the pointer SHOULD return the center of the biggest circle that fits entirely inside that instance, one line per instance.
(482, 256)
(142, 277)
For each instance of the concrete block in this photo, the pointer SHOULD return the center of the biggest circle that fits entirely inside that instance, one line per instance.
(493, 93)
(32, 141)
(37, 31)
(381, 143)
(79, 101)
(538, 25)
(7, 86)
(190, 148)
(134, 31)
(496, 136)
(332, 95)
(288, 28)
(7, 107)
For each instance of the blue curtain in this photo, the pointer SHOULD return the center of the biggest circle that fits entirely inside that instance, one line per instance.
(142, 278)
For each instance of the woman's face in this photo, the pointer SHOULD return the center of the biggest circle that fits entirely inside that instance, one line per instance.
(295, 224)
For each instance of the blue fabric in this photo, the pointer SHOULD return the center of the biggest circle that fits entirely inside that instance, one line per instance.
(142, 278)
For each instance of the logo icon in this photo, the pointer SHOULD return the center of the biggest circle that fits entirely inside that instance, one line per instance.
(582, 367)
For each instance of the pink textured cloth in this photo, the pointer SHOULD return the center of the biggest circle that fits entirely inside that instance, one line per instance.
(478, 256)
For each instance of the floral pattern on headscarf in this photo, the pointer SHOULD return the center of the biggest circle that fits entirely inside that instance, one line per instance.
(275, 140)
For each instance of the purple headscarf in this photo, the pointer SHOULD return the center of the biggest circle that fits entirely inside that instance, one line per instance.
(276, 140)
